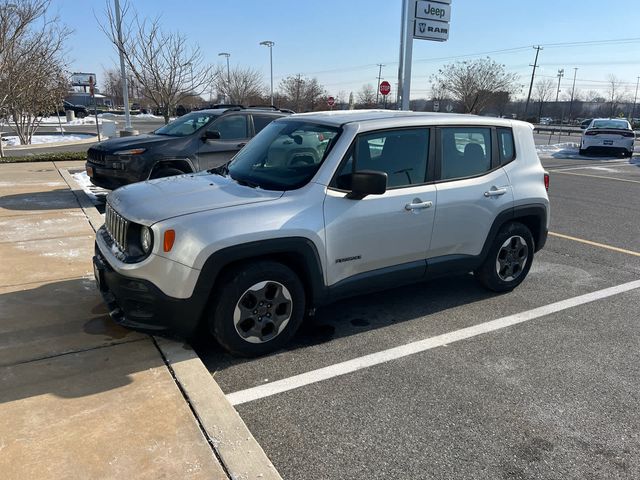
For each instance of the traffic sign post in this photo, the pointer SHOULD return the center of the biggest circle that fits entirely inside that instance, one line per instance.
(385, 89)
(331, 102)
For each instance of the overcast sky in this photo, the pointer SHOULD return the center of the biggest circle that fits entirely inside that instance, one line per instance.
(341, 41)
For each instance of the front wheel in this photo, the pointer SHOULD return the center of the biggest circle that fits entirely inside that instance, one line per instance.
(257, 309)
(509, 258)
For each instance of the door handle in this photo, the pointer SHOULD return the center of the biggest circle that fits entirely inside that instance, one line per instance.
(242, 144)
(417, 205)
(495, 192)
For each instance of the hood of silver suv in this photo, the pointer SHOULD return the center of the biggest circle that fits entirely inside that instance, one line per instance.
(155, 200)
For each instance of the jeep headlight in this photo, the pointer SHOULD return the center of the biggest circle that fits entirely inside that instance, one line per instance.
(146, 239)
(132, 151)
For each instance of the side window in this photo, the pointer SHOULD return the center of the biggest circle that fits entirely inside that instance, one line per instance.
(261, 121)
(232, 127)
(401, 154)
(506, 145)
(466, 151)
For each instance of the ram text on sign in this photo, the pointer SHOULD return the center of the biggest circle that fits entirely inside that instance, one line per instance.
(431, 30)
(433, 11)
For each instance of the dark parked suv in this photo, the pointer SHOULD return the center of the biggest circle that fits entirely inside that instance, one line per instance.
(196, 141)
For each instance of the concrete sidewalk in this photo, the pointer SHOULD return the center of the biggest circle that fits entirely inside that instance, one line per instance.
(81, 397)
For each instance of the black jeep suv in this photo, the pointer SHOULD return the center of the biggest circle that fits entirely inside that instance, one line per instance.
(196, 141)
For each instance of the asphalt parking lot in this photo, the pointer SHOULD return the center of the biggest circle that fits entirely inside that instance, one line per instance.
(446, 380)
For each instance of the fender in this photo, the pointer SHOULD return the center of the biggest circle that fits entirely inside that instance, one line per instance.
(532, 215)
(298, 253)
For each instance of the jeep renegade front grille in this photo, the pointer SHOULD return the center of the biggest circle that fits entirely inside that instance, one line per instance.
(117, 227)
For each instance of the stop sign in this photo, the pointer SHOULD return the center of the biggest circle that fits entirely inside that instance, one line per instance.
(331, 101)
(385, 88)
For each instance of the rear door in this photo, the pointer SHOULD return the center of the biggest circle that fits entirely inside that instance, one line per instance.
(234, 134)
(472, 189)
(386, 233)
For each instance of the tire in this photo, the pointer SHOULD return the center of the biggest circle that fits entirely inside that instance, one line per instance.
(582, 151)
(165, 172)
(238, 301)
(509, 259)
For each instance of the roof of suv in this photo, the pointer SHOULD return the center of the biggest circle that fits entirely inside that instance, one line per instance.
(342, 117)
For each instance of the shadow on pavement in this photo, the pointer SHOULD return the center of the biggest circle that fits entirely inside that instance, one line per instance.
(366, 312)
(53, 339)
(60, 199)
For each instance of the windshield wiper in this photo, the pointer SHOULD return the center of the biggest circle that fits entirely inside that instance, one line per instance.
(246, 183)
(221, 169)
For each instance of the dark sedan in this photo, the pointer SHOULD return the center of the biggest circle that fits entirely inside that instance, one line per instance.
(196, 141)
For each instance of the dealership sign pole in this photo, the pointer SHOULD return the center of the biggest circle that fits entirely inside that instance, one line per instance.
(424, 20)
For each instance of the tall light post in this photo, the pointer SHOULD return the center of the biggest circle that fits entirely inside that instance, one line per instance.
(573, 89)
(123, 71)
(225, 54)
(270, 44)
(635, 99)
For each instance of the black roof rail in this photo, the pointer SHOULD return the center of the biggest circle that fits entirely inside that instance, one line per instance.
(227, 105)
(271, 107)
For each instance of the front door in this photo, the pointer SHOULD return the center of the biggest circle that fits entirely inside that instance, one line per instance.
(234, 134)
(386, 233)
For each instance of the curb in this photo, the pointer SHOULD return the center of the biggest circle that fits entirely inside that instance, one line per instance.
(92, 139)
(234, 445)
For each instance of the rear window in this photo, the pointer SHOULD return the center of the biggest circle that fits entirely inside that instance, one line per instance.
(261, 121)
(613, 124)
(506, 145)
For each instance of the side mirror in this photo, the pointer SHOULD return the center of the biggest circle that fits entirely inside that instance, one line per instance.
(367, 182)
(211, 135)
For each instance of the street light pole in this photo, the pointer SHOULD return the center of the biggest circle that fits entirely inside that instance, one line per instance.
(225, 54)
(270, 44)
(123, 71)
(573, 89)
(635, 99)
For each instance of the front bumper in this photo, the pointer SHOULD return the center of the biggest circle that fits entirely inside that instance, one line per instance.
(140, 305)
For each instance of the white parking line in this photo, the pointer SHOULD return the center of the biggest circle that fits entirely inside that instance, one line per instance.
(314, 376)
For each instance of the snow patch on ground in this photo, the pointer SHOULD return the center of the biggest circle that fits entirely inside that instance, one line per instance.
(63, 120)
(12, 140)
(93, 192)
(558, 147)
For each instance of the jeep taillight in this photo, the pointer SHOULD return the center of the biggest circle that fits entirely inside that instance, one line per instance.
(546, 181)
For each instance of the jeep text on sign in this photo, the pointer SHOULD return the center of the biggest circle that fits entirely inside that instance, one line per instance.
(431, 30)
(433, 11)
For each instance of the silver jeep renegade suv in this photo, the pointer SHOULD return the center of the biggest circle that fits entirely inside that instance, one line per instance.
(318, 207)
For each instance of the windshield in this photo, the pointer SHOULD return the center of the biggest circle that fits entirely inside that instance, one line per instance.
(616, 124)
(285, 155)
(187, 124)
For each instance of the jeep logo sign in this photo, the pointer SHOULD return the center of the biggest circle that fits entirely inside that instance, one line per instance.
(432, 20)
(433, 11)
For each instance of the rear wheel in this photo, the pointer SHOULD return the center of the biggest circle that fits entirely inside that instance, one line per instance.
(509, 259)
(257, 309)
(165, 172)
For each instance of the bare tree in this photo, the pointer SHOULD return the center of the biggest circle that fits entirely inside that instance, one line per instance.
(165, 64)
(302, 94)
(32, 78)
(543, 91)
(474, 83)
(242, 85)
(367, 96)
(616, 94)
